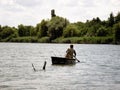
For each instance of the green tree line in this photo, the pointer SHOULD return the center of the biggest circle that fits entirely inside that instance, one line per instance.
(60, 30)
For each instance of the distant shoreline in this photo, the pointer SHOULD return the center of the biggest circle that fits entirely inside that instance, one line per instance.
(60, 30)
(74, 40)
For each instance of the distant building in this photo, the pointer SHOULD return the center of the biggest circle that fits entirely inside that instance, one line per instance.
(53, 13)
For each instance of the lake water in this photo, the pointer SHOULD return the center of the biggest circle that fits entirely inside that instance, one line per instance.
(99, 68)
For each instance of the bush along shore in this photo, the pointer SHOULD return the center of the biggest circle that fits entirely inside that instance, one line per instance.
(59, 30)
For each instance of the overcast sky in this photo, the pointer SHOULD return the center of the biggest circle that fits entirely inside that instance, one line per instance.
(31, 12)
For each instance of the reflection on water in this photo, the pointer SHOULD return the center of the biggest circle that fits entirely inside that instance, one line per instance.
(99, 67)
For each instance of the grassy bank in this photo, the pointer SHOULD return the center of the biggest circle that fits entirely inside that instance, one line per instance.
(79, 40)
(85, 40)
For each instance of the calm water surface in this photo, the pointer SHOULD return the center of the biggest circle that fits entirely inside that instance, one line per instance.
(99, 68)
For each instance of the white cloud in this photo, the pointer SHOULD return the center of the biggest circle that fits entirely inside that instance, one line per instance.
(30, 12)
(115, 3)
(28, 3)
(6, 2)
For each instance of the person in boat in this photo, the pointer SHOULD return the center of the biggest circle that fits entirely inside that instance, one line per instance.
(70, 53)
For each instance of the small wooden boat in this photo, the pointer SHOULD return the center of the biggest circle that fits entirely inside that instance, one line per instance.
(62, 60)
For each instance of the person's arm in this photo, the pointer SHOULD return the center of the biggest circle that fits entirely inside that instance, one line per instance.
(75, 53)
(67, 50)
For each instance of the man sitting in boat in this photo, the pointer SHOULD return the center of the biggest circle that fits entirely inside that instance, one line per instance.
(70, 53)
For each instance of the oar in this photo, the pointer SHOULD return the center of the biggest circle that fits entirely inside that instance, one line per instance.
(76, 59)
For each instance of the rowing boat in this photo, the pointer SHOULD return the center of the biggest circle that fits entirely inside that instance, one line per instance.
(62, 60)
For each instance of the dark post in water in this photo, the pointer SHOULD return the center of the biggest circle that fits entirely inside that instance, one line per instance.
(44, 65)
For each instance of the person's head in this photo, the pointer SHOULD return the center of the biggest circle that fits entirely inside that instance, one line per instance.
(71, 46)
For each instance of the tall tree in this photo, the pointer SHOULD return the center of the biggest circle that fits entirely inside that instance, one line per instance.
(70, 31)
(43, 28)
(56, 26)
(25, 30)
(102, 31)
(21, 30)
(7, 32)
(111, 20)
(0, 28)
(117, 18)
(117, 33)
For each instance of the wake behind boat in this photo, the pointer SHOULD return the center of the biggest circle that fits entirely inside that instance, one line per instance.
(62, 60)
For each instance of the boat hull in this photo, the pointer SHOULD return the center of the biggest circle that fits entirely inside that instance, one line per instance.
(62, 60)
